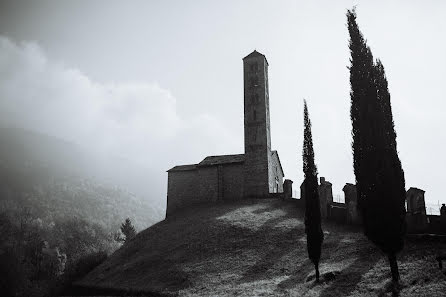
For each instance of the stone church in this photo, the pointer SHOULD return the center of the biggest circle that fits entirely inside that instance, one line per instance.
(255, 174)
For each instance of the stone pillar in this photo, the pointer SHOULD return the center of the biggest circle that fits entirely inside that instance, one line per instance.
(351, 202)
(302, 193)
(325, 196)
(443, 217)
(288, 188)
(416, 211)
(415, 201)
(443, 210)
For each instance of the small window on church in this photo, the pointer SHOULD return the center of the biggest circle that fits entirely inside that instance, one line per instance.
(255, 115)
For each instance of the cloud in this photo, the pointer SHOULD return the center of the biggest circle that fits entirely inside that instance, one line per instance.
(137, 120)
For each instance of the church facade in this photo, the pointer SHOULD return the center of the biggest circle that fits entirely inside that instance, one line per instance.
(255, 174)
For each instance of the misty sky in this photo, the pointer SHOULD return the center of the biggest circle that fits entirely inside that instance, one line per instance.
(161, 82)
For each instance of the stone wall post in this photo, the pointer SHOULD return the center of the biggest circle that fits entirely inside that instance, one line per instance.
(288, 188)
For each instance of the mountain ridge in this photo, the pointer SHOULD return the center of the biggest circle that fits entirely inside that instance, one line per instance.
(59, 180)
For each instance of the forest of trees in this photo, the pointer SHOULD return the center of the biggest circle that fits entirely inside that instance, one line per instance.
(43, 260)
(56, 221)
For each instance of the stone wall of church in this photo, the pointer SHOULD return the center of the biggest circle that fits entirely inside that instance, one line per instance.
(233, 181)
(275, 172)
(204, 184)
(208, 188)
(256, 175)
(181, 189)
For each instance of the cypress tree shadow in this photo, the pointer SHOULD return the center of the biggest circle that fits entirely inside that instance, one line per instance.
(345, 282)
(298, 275)
(273, 255)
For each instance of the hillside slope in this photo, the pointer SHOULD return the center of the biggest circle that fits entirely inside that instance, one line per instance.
(256, 248)
(58, 180)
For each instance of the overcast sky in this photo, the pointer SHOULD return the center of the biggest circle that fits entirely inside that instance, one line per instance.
(161, 82)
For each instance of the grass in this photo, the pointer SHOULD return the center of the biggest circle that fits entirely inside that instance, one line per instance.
(258, 248)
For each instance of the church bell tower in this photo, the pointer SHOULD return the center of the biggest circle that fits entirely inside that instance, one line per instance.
(257, 126)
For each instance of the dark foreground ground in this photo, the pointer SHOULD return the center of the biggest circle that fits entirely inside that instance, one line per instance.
(258, 248)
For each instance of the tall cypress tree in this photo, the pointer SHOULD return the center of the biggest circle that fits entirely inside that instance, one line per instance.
(378, 171)
(313, 227)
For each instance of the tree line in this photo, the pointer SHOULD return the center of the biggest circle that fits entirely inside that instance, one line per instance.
(39, 259)
(379, 175)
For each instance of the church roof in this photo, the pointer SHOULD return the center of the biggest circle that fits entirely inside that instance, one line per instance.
(224, 159)
(183, 168)
(256, 54)
(219, 160)
(211, 161)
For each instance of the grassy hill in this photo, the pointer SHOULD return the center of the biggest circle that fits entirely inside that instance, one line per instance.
(258, 248)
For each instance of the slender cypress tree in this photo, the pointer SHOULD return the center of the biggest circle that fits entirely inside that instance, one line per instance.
(378, 171)
(313, 227)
